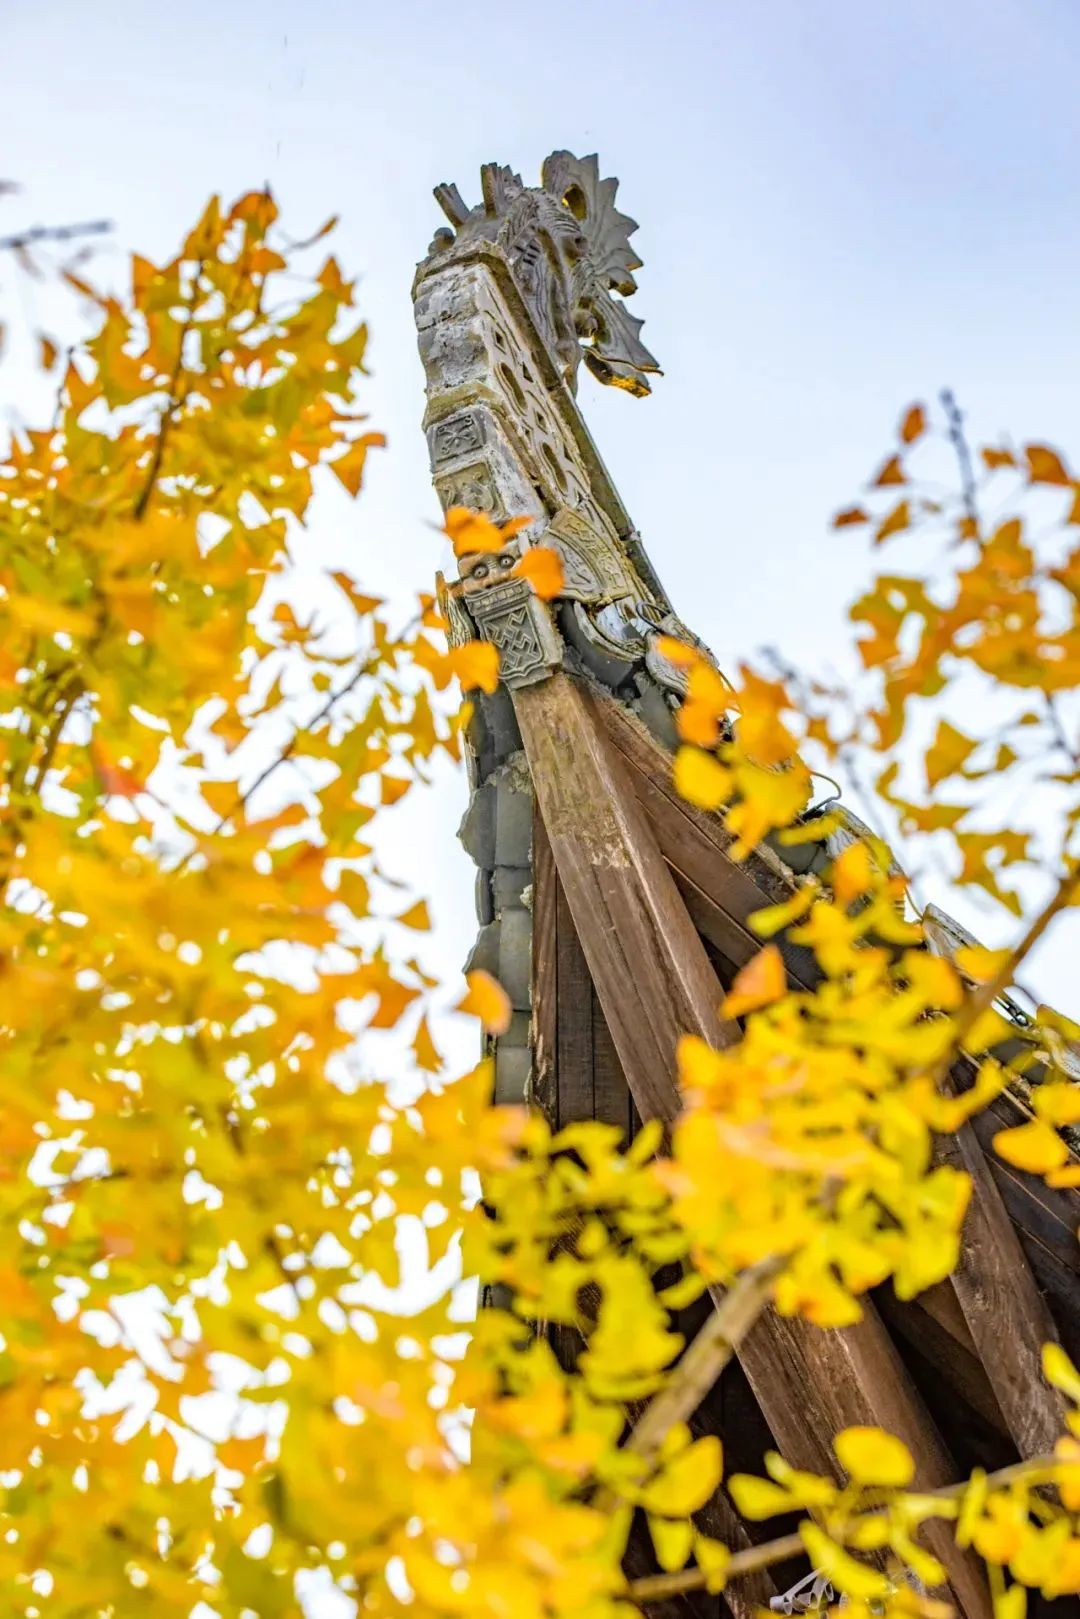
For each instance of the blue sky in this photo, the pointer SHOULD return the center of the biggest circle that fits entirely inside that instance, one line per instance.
(844, 205)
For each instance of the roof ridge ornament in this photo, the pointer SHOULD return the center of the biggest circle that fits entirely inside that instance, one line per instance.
(568, 248)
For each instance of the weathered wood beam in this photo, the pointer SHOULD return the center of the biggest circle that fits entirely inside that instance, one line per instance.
(579, 1076)
(720, 893)
(1002, 1304)
(651, 972)
(1006, 1313)
(655, 982)
(544, 986)
(952, 1358)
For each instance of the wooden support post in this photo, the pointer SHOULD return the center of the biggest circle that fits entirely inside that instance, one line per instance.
(579, 1076)
(651, 972)
(655, 982)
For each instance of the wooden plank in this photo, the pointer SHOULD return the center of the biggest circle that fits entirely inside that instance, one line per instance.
(957, 1363)
(1004, 1309)
(721, 894)
(544, 995)
(655, 981)
(611, 1094)
(940, 1303)
(649, 966)
(812, 1383)
(579, 1074)
(1058, 1285)
(573, 1034)
(1049, 1214)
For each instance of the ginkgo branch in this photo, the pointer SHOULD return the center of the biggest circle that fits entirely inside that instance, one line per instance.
(708, 1354)
(367, 667)
(655, 1587)
(982, 999)
(173, 401)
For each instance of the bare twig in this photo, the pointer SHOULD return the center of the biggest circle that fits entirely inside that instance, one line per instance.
(53, 233)
(958, 438)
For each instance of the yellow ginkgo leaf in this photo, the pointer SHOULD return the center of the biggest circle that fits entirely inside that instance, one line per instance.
(1059, 1371)
(470, 531)
(894, 523)
(687, 1481)
(349, 468)
(425, 1051)
(542, 568)
(1067, 1471)
(701, 779)
(762, 981)
(1045, 465)
(850, 516)
(416, 917)
(476, 664)
(772, 918)
(977, 962)
(673, 1541)
(851, 1577)
(713, 1558)
(680, 653)
(872, 1456)
(948, 753)
(1058, 1102)
(1035, 1146)
(757, 1498)
(391, 788)
(913, 424)
(364, 604)
(852, 873)
(892, 472)
(487, 1000)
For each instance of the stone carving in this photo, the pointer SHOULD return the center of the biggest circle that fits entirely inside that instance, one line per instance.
(479, 569)
(507, 305)
(594, 569)
(458, 435)
(671, 676)
(469, 486)
(459, 626)
(508, 614)
(568, 247)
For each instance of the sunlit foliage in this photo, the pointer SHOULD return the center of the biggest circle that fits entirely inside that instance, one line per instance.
(227, 1128)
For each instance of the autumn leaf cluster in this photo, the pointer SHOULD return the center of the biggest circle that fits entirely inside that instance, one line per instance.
(245, 1207)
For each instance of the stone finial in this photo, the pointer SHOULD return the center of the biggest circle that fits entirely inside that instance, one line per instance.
(568, 248)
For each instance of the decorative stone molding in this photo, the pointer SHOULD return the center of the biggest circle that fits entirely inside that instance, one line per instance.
(511, 617)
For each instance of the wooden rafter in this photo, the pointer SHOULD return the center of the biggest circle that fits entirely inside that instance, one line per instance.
(1002, 1304)
(580, 1076)
(655, 982)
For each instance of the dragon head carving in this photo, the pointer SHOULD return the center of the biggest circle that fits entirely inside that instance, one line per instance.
(568, 248)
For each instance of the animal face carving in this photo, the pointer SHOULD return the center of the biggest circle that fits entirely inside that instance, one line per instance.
(479, 569)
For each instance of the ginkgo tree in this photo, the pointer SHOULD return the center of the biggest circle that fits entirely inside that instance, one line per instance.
(225, 1119)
